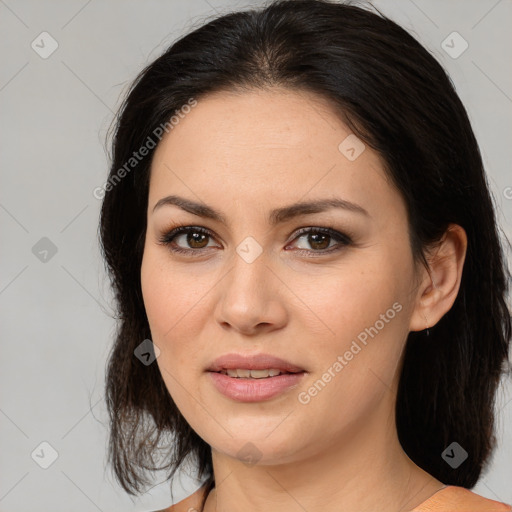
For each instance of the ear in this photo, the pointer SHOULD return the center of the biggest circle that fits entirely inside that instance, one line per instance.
(440, 284)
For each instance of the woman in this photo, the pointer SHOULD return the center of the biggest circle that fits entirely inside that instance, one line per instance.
(310, 283)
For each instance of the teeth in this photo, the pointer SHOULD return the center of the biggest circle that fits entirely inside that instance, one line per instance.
(253, 374)
(239, 373)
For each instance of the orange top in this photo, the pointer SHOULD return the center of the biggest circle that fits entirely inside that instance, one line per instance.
(459, 499)
(448, 499)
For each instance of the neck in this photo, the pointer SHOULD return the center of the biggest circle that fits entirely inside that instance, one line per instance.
(364, 470)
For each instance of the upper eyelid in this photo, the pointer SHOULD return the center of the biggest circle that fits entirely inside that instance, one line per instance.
(303, 230)
(339, 236)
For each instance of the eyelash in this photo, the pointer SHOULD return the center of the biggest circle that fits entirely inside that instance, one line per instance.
(343, 239)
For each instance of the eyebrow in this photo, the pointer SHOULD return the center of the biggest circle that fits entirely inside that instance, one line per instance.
(276, 216)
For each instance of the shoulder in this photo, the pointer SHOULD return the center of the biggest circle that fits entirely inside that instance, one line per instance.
(460, 499)
(191, 504)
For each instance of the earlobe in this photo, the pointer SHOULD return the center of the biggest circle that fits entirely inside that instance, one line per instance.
(441, 283)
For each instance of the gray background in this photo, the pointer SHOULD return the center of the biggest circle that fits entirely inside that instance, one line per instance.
(56, 327)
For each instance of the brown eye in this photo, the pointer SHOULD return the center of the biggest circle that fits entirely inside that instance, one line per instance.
(189, 239)
(195, 239)
(192, 240)
(319, 239)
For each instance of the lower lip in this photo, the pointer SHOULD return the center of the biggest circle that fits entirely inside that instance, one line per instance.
(254, 390)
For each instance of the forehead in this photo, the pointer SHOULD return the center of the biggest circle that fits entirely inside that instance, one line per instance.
(237, 122)
(273, 146)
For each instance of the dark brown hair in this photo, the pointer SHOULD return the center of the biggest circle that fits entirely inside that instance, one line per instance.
(398, 99)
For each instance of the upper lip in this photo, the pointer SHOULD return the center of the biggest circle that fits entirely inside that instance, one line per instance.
(252, 362)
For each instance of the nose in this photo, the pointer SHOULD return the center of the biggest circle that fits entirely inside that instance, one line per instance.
(251, 297)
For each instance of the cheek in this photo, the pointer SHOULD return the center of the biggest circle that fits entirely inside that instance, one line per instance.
(175, 306)
(164, 309)
(171, 296)
(364, 323)
(345, 300)
(167, 317)
(356, 371)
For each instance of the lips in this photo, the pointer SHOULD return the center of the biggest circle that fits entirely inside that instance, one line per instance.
(235, 361)
(242, 378)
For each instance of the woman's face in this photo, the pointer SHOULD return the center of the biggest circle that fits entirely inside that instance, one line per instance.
(337, 310)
